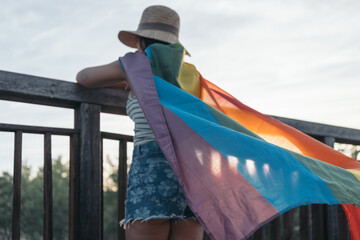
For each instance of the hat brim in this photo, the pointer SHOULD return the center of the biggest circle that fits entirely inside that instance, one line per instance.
(130, 38)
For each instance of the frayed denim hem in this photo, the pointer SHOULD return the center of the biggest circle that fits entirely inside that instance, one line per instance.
(174, 218)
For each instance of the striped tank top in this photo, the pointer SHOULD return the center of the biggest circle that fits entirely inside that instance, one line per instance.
(143, 132)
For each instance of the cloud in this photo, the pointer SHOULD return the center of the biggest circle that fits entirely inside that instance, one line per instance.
(262, 52)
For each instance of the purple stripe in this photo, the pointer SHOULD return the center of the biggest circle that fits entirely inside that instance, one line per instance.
(228, 205)
(138, 70)
(225, 203)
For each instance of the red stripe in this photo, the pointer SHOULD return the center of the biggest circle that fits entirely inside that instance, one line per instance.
(352, 214)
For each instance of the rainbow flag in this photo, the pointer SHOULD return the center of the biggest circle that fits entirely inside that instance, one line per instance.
(239, 168)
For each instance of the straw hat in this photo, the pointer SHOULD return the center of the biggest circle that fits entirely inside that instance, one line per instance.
(157, 22)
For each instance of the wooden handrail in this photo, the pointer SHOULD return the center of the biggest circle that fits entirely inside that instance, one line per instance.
(51, 92)
(341, 134)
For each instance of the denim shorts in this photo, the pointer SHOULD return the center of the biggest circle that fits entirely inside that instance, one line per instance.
(153, 191)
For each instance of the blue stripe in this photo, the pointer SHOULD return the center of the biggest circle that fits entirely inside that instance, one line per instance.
(277, 175)
(121, 64)
(148, 52)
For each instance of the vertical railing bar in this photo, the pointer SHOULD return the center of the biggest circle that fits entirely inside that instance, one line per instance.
(274, 228)
(344, 233)
(48, 193)
(259, 234)
(317, 211)
(87, 121)
(102, 185)
(288, 224)
(330, 141)
(74, 144)
(332, 222)
(305, 222)
(122, 182)
(16, 211)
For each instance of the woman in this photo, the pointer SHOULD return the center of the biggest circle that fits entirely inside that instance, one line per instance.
(155, 206)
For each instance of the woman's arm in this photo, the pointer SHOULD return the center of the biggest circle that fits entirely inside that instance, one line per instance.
(109, 75)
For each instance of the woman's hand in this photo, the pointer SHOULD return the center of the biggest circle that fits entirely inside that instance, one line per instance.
(109, 75)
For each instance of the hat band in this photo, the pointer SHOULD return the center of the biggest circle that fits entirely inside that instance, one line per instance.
(159, 26)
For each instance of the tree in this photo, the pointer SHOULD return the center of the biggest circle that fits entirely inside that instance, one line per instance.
(60, 176)
(5, 205)
(32, 202)
(110, 202)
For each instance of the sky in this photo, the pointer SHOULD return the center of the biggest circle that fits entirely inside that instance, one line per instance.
(295, 59)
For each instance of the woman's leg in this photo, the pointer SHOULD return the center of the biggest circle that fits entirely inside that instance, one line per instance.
(188, 229)
(155, 229)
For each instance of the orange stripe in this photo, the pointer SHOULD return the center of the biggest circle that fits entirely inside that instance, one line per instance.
(284, 136)
(273, 130)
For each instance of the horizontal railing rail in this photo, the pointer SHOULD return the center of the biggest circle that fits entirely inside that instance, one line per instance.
(36, 129)
(86, 163)
(57, 93)
(322, 131)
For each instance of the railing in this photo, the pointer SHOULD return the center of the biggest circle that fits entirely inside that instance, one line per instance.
(86, 144)
(85, 183)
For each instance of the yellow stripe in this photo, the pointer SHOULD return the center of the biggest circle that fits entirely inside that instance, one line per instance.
(355, 172)
(189, 79)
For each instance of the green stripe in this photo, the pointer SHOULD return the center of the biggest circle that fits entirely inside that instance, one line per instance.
(342, 183)
(228, 122)
(166, 61)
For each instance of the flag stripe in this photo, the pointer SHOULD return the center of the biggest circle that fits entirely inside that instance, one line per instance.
(276, 174)
(343, 184)
(277, 132)
(217, 192)
(230, 123)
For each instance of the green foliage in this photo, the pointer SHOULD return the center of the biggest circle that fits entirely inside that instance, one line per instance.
(32, 203)
(110, 203)
(60, 174)
(5, 205)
